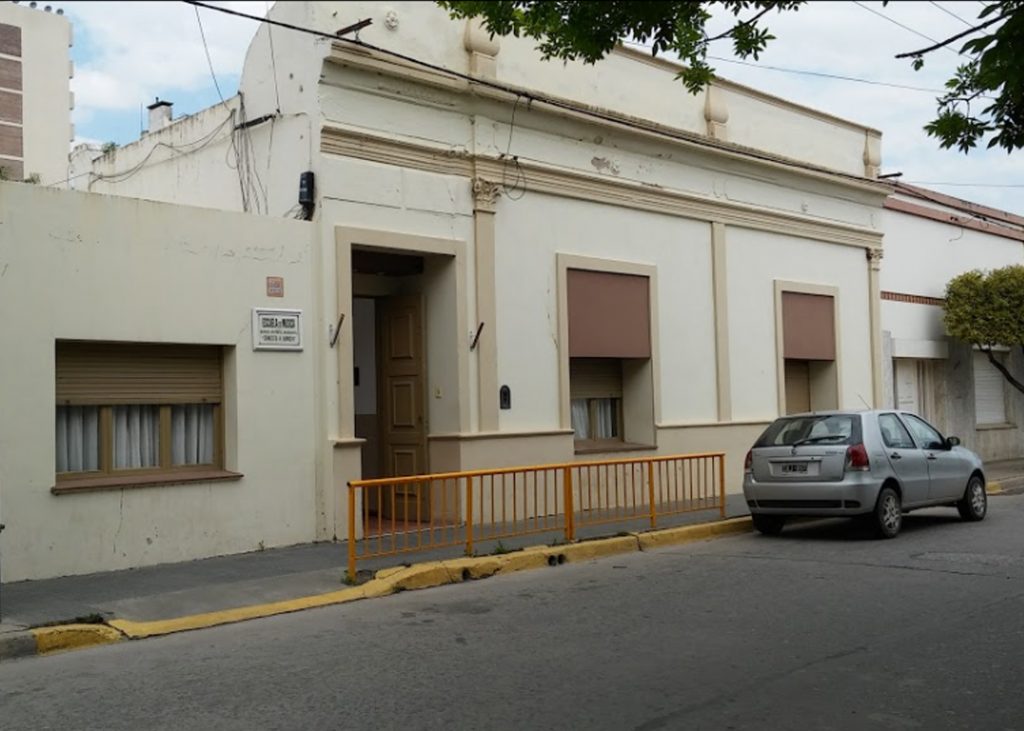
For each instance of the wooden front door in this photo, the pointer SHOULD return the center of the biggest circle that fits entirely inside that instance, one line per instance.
(401, 378)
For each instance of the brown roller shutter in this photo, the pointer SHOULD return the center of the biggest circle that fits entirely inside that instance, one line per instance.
(10, 39)
(808, 326)
(137, 373)
(10, 74)
(11, 141)
(609, 315)
(595, 378)
(10, 107)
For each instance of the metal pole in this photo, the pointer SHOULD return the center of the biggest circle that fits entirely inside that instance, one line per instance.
(720, 459)
(570, 527)
(469, 516)
(351, 533)
(650, 494)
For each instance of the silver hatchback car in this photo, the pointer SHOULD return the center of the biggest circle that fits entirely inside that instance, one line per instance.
(873, 464)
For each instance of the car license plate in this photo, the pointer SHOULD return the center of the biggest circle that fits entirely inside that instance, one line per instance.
(794, 468)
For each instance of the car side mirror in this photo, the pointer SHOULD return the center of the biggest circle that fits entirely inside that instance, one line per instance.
(952, 442)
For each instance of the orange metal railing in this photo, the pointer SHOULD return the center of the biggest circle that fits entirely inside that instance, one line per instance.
(407, 514)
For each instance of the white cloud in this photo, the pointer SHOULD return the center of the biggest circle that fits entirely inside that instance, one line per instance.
(846, 39)
(137, 51)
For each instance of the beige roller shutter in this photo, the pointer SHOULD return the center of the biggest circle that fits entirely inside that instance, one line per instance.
(137, 373)
(989, 392)
(595, 378)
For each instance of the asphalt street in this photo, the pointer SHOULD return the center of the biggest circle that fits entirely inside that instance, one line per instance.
(820, 628)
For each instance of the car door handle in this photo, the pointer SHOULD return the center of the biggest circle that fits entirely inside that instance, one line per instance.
(895, 455)
(931, 457)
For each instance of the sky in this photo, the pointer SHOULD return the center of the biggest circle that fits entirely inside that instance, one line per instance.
(128, 53)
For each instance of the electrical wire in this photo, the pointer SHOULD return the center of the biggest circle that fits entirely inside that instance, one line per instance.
(273, 60)
(536, 97)
(951, 13)
(966, 185)
(824, 75)
(901, 25)
(187, 148)
(206, 48)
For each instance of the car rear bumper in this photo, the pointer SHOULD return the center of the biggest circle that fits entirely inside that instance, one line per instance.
(852, 496)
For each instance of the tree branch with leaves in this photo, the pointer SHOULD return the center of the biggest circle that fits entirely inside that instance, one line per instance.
(987, 311)
(985, 98)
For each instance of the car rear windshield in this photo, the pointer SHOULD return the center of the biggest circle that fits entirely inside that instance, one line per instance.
(812, 429)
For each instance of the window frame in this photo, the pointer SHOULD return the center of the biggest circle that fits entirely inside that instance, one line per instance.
(909, 419)
(615, 395)
(899, 422)
(107, 476)
(106, 466)
(983, 357)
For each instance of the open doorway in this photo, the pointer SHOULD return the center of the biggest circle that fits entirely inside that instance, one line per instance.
(389, 340)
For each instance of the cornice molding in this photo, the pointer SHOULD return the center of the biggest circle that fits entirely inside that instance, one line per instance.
(367, 59)
(488, 172)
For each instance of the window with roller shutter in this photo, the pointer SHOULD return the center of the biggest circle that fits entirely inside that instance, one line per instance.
(989, 392)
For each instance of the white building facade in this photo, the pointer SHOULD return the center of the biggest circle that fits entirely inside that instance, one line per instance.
(510, 262)
(930, 238)
(35, 95)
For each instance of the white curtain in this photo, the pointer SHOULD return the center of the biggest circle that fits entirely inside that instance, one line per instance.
(136, 437)
(580, 418)
(192, 434)
(605, 418)
(78, 438)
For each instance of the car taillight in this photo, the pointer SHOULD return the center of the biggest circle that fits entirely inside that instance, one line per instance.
(748, 463)
(857, 458)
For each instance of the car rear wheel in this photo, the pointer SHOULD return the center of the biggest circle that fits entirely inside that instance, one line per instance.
(769, 525)
(888, 516)
(974, 504)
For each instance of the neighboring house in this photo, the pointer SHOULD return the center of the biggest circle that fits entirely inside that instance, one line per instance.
(929, 239)
(35, 96)
(518, 262)
(139, 424)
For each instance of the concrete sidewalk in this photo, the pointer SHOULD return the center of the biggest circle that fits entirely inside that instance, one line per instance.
(172, 591)
(238, 584)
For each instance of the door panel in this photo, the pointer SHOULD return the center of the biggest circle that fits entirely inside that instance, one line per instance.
(403, 428)
(907, 461)
(908, 386)
(947, 471)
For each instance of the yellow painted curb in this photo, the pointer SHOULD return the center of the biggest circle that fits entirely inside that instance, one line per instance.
(479, 567)
(589, 550)
(138, 630)
(420, 576)
(691, 533)
(399, 578)
(521, 561)
(72, 637)
(993, 488)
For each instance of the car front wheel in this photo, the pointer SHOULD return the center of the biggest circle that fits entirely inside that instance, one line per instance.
(769, 525)
(888, 517)
(974, 504)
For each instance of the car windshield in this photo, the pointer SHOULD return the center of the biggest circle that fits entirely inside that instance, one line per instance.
(812, 429)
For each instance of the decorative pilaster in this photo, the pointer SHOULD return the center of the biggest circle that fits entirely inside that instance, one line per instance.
(485, 197)
(874, 257)
(719, 274)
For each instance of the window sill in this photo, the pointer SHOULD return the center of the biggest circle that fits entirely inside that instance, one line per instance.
(594, 447)
(994, 427)
(107, 482)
